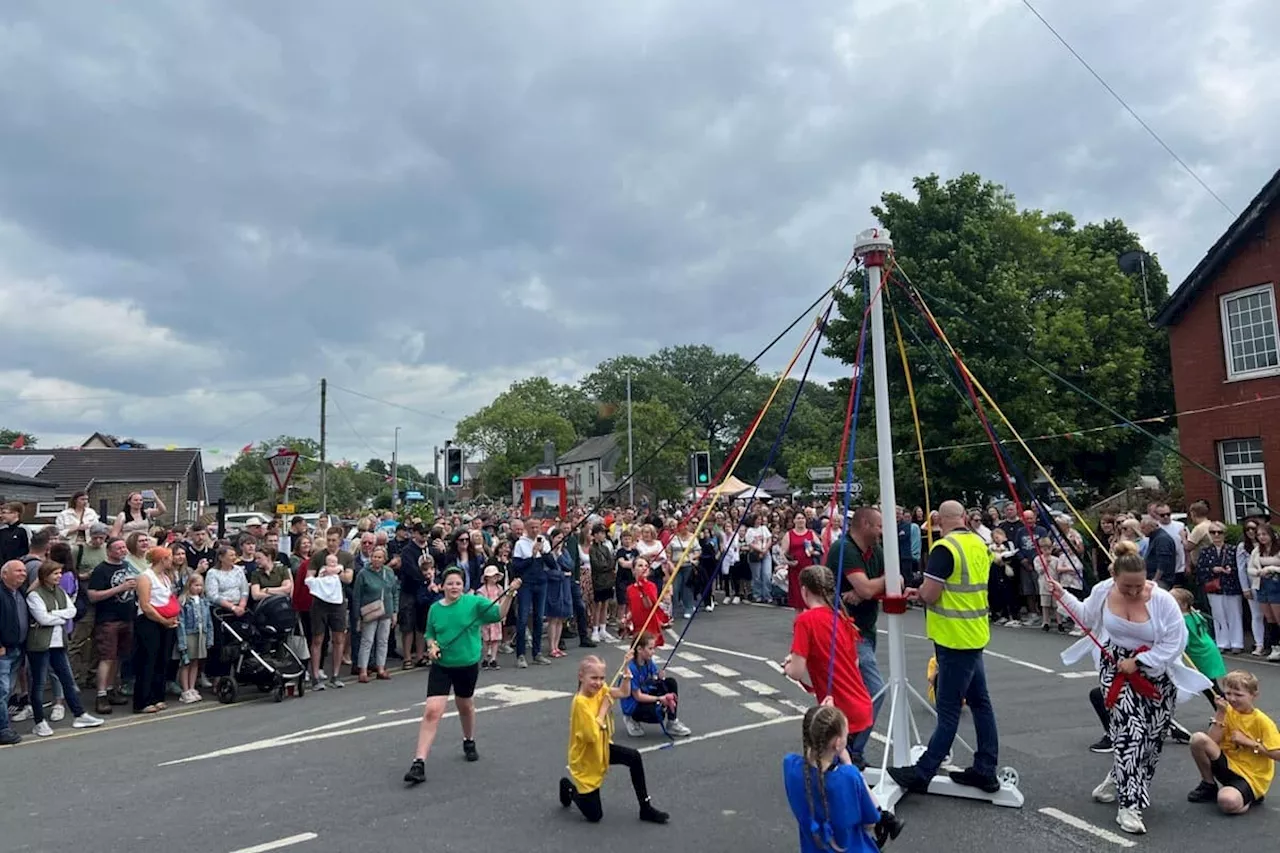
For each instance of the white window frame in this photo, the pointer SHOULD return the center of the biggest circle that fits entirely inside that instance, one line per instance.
(49, 509)
(1228, 471)
(1232, 374)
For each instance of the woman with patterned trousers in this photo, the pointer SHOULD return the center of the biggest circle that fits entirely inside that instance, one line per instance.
(1140, 672)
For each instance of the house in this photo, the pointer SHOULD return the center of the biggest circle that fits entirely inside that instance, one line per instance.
(34, 494)
(588, 468)
(1224, 344)
(110, 475)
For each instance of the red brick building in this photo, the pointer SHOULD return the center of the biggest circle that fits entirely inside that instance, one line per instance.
(1225, 346)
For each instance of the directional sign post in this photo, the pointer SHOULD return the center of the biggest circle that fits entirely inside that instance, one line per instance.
(855, 488)
(282, 465)
(822, 474)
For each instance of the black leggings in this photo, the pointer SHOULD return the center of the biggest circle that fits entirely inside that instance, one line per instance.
(589, 804)
(655, 713)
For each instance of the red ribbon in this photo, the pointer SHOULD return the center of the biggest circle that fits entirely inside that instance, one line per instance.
(1139, 682)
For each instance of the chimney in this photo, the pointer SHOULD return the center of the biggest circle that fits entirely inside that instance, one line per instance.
(549, 454)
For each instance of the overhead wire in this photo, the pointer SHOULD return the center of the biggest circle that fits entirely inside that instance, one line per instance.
(1130, 110)
(410, 409)
(310, 389)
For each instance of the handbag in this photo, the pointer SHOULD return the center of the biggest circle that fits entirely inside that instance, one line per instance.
(373, 611)
(170, 608)
(1213, 586)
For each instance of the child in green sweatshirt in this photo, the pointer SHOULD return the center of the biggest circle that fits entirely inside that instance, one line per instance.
(1201, 647)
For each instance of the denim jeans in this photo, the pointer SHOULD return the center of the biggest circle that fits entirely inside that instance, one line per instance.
(761, 578)
(531, 601)
(871, 678)
(580, 611)
(9, 661)
(55, 660)
(682, 591)
(962, 678)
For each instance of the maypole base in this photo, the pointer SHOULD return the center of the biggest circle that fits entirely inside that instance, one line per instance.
(888, 794)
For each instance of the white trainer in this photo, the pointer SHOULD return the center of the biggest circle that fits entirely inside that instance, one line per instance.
(675, 728)
(633, 728)
(1130, 821)
(1106, 792)
(86, 721)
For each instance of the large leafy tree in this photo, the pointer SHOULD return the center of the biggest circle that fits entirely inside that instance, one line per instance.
(1006, 283)
(9, 436)
(510, 432)
(663, 468)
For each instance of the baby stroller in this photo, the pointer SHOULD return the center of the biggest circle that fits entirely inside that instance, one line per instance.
(255, 649)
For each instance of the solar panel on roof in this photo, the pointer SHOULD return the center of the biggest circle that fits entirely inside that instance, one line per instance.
(24, 465)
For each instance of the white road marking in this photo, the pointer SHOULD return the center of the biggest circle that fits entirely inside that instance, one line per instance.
(722, 733)
(762, 709)
(508, 695)
(879, 738)
(730, 652)
(759, 687)
(683, 672)
(722, 671)
(276, 845)
(391, 711)
(775, 666)
(1037, 667)
(795, 706)
(1078, 674)
(1085, 826)
(691, 657)
(720, 689)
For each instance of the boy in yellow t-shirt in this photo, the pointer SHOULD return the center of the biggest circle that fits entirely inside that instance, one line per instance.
(1239, 752)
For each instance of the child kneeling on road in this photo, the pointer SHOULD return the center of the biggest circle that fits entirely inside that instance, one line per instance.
(1239, 752)
(654, 695)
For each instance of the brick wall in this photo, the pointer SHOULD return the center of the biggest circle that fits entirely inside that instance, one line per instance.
(1200, 374)
(173, 495)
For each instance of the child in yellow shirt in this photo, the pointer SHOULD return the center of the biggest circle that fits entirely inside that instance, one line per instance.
(1239, 752)
(591, 750)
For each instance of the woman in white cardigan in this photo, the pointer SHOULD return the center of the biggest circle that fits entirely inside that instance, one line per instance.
(1141, 674)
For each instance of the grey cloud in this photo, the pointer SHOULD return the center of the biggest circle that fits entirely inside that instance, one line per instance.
(668, 172)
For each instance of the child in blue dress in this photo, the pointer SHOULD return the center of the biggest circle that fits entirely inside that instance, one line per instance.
(828, 796)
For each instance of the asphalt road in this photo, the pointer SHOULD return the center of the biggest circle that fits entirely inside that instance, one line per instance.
(325, 771)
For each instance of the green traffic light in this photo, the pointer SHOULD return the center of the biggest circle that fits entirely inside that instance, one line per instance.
(702, 478)
(454, 479)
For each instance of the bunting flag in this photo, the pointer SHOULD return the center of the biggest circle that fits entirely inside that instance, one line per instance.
(248, 448)
(171, 447)
(19, 442)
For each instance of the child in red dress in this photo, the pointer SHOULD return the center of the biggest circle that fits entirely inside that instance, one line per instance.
(641, 598)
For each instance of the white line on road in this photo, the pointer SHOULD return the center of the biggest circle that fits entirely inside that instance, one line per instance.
(775, 666)
(795, 706)
(391, 711)
(691, 657)
(1037, 667)
(1085, 826)
(762, 709)
(722, 671)
(276, 845)
(722, 733)
(730, 652)
(720, 689)
(759, 687)
(683, 672)
(1078, 674)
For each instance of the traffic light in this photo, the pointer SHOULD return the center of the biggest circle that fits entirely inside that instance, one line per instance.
(453, 466)
(701, 469)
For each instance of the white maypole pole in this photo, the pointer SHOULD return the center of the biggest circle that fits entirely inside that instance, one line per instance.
(873, 246)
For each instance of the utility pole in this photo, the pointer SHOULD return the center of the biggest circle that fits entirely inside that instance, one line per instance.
(435, 469)
(324, 485)
(631, 461)
(395, 474)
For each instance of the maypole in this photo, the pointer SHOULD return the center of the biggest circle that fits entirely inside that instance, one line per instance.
(873, 247)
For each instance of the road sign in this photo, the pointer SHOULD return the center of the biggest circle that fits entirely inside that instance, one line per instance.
(855, 488)
(285, 509)
(413, 496)
(827, 473)
(282, 465)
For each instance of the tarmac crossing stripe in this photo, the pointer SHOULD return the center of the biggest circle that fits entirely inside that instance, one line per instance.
(722, 671)
(720, 689)
(762, 709)
(722, 733)
(1085, 826)
(730, 652)
(277, 844)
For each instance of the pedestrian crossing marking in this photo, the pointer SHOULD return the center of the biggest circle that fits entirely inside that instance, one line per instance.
(691, 657)
(722, 671)
(720, 689)
(683, 672)
(758, 687)
(766, 711)
(795, 706)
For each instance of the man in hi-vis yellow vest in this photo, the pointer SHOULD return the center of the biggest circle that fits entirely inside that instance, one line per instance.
(955, 593)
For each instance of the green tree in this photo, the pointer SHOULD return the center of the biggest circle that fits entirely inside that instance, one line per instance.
(377, 466)
(1004, 281)
(652, 424)
(510, 432)
(245, 483)
(9, 436)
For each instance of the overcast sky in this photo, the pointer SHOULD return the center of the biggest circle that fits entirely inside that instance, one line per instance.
(207, 206)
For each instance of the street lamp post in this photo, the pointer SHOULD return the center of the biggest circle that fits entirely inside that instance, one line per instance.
(395, 474)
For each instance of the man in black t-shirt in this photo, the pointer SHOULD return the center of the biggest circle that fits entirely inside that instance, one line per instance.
(111, 591)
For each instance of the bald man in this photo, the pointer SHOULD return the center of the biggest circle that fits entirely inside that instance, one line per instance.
(14, 622)
(955, 593)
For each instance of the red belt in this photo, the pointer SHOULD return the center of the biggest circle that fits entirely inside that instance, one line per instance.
(1139, 682)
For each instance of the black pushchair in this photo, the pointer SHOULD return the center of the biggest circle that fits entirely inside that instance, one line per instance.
(255, 649)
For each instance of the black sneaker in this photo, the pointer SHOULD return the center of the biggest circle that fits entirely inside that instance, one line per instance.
(1205, 792)
(649, 814)
(1178, 734)
(888, 828)
(587, 643)
(1104, 746)
(1046, 627)
(972, 779)
(417, 772)
(9, 737)
(567, 792)
(469, 750)
(909, 780)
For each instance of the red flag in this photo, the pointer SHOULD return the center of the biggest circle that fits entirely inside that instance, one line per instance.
(19, 442)
(248, 448)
